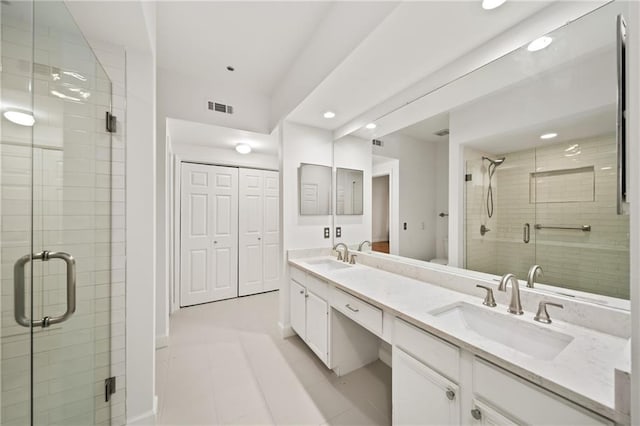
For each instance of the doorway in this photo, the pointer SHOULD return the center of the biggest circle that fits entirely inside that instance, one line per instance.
(380, 214)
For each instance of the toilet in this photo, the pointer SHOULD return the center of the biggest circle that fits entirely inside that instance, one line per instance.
(442, 260)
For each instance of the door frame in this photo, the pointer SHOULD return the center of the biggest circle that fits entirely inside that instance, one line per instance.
(175, 213)
(391, 167)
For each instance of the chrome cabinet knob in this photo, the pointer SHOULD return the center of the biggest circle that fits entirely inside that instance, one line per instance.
(476, 414)
(450, 395)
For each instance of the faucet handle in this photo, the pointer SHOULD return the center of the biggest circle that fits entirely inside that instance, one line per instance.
(352, 259)
(488, 299)
(339, 255)
(542, 315)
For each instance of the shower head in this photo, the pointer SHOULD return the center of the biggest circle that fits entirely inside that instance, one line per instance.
(495, 162)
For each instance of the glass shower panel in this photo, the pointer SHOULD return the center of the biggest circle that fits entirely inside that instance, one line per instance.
(71, 214)
(15, 206)
(56, 223)
(499, 222)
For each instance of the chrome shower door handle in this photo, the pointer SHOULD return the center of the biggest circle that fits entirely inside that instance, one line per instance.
(19, 284)
(526, 233)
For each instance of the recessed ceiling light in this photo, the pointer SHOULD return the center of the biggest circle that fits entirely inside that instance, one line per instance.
(492, 4)
(329, 114)
(21, 118)
(539, 43)
(371, 126)
(230, 68)
(243, 148)
(548, 136)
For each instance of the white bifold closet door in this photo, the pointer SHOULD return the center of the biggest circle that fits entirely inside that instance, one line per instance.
(259, 232)
(209, 233)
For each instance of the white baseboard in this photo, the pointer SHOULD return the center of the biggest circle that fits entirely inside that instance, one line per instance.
(145, 419)
(286, 331)
(162, 342)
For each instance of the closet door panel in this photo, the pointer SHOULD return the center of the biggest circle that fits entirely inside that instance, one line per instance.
(271, 263)
(208, 222)
(250, 274)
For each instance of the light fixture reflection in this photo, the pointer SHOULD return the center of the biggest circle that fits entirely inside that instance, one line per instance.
(371, 126)
(21, 118)
(539, 43)
(492, 4)
(63, 96)
(329, 114)
(243, 148)
(548, 136)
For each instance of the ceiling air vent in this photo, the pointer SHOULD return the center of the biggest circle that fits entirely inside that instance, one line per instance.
(377, 142)
(443, 132)
(218, 107)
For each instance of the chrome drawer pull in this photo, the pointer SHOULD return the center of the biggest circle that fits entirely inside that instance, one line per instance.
(351, 308)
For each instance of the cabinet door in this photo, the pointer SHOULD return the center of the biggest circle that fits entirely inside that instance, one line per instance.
(486, 415)
(297, 304)
(317, 321)
(250, 277)
(421, 395)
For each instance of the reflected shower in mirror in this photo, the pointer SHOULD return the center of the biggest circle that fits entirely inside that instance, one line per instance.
(349, 191)
(314, 186)
(534, 137)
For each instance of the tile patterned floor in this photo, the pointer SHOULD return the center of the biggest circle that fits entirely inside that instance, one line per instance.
(226, 364)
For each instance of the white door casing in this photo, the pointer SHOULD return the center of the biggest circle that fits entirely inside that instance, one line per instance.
(209, 239)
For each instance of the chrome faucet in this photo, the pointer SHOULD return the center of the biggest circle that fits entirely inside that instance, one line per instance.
(344, 256)
(363, 243)
(533, 273)
(515, 307)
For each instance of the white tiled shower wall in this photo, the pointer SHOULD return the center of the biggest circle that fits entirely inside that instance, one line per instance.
(78, 155)
(596, 261)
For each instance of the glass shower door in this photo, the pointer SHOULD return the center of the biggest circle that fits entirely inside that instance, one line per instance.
(56, 222)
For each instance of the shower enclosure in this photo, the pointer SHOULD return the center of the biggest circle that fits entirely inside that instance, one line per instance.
(55, 221)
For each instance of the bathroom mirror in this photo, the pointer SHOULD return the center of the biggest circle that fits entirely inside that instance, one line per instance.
(349, 185)
(532, 140)
(314, 189)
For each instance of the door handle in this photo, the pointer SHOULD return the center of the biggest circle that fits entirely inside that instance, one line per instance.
(18, 289)
(526, 233)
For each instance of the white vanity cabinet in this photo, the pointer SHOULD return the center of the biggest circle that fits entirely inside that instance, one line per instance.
(422, 395)
(310, 312)
(424, 374)
(523, 402)
(435, 382)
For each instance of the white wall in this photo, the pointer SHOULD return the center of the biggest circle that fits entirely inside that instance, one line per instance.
(380, 208)
(299, 144)
(417, 193)
(354, 153)
(442, 198)
(141, 237)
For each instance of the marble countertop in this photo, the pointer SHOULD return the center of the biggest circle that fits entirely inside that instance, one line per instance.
(582, 372)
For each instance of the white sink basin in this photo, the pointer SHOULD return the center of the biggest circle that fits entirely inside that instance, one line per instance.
(530, 339)
(328, 264)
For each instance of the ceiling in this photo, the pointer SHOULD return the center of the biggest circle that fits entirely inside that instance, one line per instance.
(425, 130)
(415, 40)
(259, 39)
(192, 133)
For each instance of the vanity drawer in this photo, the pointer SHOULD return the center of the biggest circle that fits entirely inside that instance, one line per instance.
(525, 401)
(431, 350)
(319, 287)
(297, 275)
(358, 310)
